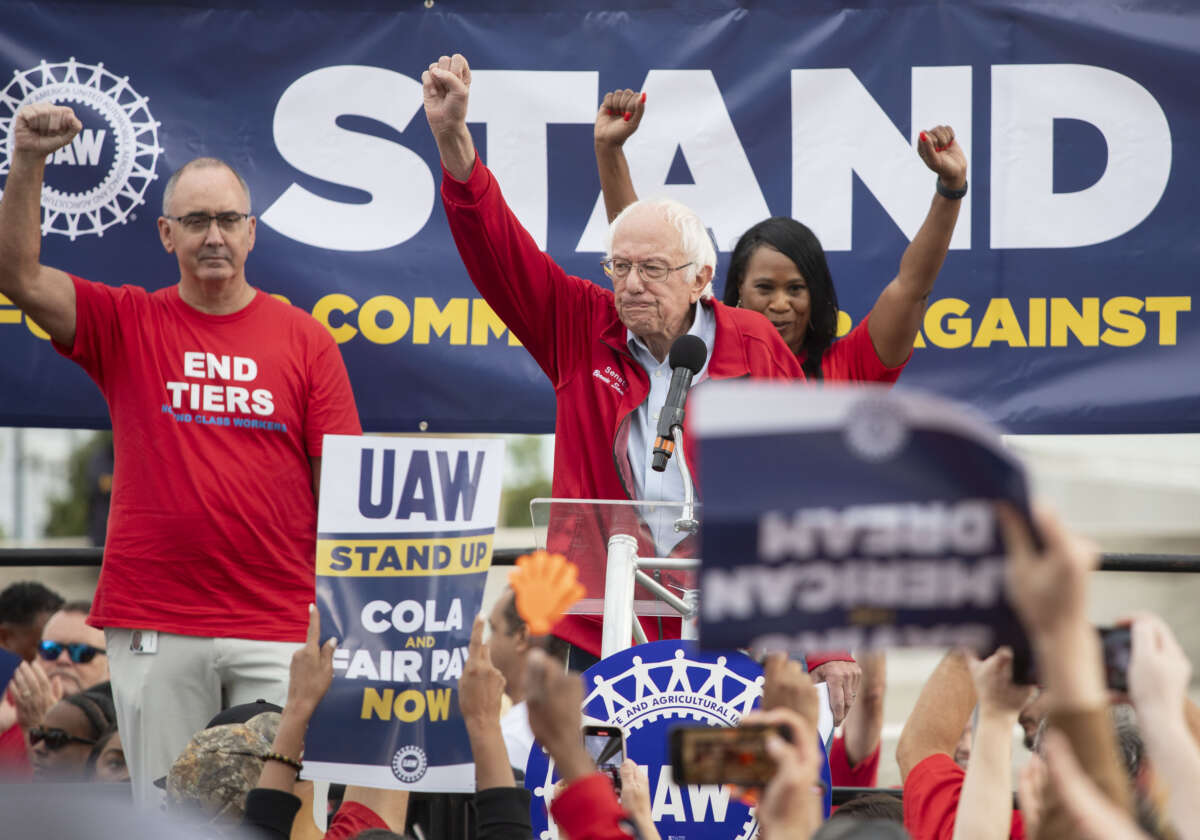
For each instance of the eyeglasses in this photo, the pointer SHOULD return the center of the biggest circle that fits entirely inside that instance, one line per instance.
(651, 270)
(79, 652)
(199, 222)
(56, 738)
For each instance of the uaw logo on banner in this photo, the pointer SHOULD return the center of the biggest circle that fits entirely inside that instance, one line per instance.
(646, 690)
(98, 179)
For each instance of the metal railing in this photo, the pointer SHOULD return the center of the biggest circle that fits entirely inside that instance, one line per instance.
(87, 556)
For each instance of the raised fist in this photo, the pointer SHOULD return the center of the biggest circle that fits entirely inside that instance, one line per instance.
(44, 128)
(446, 87)
(619, 116)
(943, 155)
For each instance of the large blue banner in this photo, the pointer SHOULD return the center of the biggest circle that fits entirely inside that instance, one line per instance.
(1065, 304)
(404, 542)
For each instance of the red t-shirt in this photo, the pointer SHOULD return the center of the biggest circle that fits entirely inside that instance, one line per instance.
(931, 794)
(14, 756)
(852, 358)
(866, 774)
(212, 528)
(351, 819)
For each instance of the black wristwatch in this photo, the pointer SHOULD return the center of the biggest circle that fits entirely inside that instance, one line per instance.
(946, 192)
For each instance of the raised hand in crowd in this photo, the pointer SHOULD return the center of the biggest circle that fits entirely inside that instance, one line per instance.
(587, 807)
(863, 727)
(445, 87)
(1048, 587)
(619, 116)
(635, 799)
(1031, 785)
(942, 711)
(786, 685)
(310, 676)
(1159, 674)
(792, 804)
(34, 694)
(843, 678)
(555, 699)
(1093, 814)
(480, 692)
(985, 806)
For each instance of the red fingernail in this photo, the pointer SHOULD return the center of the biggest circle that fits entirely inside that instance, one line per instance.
(610, 111)
(643, 97)
(923, 137)
(628, 114)
(941, 148)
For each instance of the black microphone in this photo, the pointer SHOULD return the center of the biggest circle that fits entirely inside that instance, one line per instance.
(688, 354)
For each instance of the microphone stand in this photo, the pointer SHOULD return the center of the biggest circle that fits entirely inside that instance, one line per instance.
(687, 517)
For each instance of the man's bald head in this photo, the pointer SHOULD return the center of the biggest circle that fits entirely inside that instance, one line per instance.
(201, 163)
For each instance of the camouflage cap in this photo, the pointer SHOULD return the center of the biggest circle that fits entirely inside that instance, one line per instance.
(219, 766)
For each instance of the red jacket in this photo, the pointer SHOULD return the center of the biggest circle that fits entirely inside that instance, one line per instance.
(571, 328)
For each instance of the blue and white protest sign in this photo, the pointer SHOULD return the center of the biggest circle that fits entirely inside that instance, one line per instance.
(404, 542)
(843, 518)
(1065, 304)
(647, 690)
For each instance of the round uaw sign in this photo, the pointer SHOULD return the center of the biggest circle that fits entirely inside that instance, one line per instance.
(646, 690)
(100, 177)
(409, 764)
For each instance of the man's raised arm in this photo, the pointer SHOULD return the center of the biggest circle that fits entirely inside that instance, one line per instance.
(46, 295)
(446, 87)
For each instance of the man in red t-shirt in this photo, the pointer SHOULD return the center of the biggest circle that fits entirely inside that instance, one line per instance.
(933, 783)
(220, 397)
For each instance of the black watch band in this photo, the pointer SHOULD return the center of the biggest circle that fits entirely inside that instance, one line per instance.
(946, 192)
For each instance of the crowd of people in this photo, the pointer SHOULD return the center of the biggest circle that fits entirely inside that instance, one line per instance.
(1100, 765)
(195, 671)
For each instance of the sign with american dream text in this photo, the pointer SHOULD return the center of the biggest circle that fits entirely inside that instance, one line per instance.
(840, 518)
(404, 542)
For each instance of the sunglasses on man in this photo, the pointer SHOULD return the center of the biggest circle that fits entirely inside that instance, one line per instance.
(79, 652)
(56, 738)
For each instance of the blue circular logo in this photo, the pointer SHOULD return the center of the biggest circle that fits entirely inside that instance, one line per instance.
(646, 690)
(409, 764)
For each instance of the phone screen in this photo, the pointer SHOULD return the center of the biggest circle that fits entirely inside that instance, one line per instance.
(721, 755)
(606, 746)
(1117, 645)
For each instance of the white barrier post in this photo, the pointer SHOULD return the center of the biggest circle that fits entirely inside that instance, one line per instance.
(618, 594)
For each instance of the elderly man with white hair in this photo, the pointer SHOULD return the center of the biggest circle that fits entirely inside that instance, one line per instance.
(605, 350)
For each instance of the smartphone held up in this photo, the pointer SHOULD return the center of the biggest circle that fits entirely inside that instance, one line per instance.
(721, 755)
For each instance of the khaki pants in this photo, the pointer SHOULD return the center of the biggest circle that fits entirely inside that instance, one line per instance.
(164, 698)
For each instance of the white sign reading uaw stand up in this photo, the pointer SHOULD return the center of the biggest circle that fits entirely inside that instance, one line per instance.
(841, 518)
(404, 542)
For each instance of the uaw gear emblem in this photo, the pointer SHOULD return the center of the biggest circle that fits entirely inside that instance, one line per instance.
(646, 690)
(99, 178)
(409, 764)
(877, 430)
